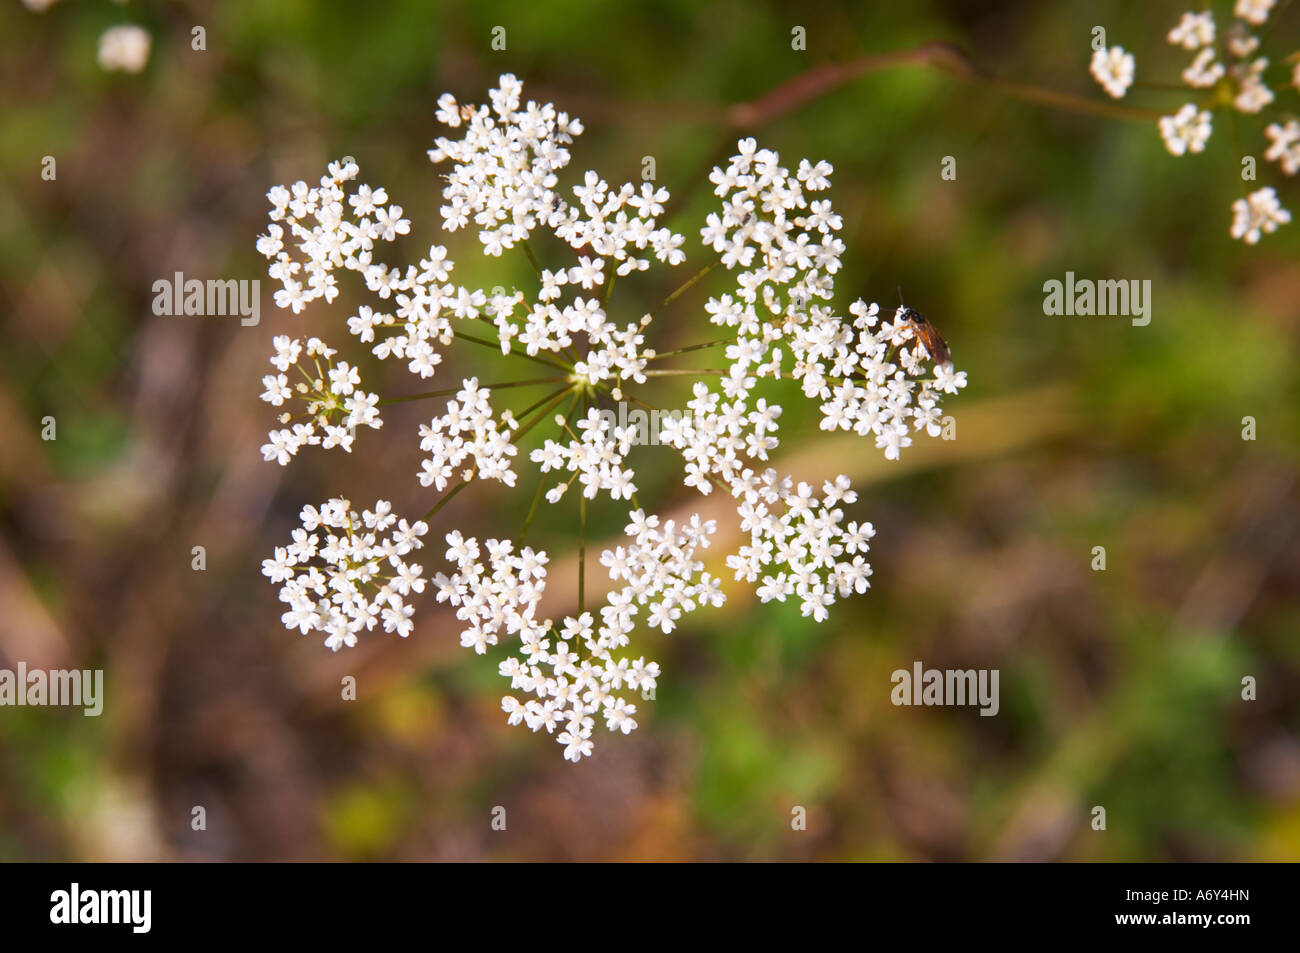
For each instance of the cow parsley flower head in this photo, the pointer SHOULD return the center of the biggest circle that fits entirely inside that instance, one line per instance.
(775, 235)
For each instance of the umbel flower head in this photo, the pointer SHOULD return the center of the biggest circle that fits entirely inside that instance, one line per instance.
(1228, 74)
(776, 236)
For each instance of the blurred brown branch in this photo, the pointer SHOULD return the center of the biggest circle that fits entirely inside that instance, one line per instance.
(938, 55)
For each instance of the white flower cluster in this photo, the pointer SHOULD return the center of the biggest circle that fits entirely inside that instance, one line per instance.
(782, 243)
(335, 403)
(500, 598)
(1258, 213)
(504, 179)
(1113, 68)
(780, 240)
(1186, 131)
(579, 678)
(468, 431)
(1284, 147)
(356, 579)
(594, 456)
(1238, 81)
(325, 234)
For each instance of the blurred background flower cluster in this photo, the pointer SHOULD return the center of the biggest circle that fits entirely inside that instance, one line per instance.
(1120, 688)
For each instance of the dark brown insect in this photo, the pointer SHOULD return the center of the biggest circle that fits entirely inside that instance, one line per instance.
(925, 332)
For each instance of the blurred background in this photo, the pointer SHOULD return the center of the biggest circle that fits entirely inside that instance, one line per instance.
(1119, 688)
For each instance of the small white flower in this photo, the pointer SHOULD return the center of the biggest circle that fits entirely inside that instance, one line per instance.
(1252, 94)
(1285, 145)
(1186, 131)
(1204, 71)
(1193, 31)
(124, 48)
(1254, 11)
(1113, 69)
(1241, 43)
(1258, 213)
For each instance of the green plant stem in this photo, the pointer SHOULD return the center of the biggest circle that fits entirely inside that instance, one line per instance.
(532, 259)
(444, 501)
(541, 483)
(693, 347)
(682, 288)
(455, 390)
(582, 552)
(524, 354)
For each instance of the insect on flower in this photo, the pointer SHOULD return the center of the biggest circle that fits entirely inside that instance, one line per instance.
(925, 332)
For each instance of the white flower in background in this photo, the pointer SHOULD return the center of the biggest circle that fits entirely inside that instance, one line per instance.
(780, 241)
(1253, 11)
(1186, 131)
(124, 48)
(1258, 213)
(1285, 146)
(1193, 31)
(345, 572)
(1239, 82)
(39, 6)
(1113, 69)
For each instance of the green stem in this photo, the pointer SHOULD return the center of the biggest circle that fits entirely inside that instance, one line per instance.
(693, 347)
(444, 501)
(532, 259)
(455, 390)
(682, 289)
(557, 395)
(541, 483)
(582, 552)
(518, 353)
